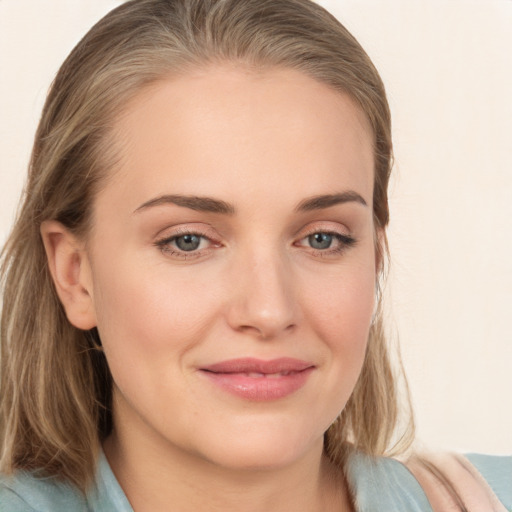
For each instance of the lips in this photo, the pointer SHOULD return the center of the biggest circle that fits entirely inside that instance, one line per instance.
(259, 380)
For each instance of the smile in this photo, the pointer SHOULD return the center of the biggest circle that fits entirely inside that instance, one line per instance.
(259, 380)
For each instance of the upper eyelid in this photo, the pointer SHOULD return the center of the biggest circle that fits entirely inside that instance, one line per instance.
(343, 238)
(324, 230)
(325, 227)
(187, 229)
(208, 232)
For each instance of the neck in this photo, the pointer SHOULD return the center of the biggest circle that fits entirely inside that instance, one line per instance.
(153, 478)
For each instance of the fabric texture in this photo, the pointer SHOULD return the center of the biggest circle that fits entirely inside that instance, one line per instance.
(378, 484)
(452, 482)
(483, 482)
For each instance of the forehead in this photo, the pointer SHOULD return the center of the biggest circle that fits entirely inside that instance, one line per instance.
(270, 131)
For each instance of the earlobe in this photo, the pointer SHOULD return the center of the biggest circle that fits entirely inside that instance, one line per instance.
(70, 270)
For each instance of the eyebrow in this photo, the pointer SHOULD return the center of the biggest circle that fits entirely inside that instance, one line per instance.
(202, 204)
(328, 200)
(211, 205)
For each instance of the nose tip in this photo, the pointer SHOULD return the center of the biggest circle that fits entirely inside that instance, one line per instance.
(264, 303)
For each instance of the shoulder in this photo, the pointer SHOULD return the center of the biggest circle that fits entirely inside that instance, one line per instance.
(23, 492)
(384, 484)
(497, 472)
(452, 482)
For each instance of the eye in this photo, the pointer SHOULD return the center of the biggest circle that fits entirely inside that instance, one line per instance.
(186, 245)
(326, 242)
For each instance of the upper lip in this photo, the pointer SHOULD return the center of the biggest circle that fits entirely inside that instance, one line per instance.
(250, 364)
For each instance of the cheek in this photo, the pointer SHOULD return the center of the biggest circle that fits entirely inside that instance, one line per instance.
(341, 306)
(150, 321)
(340, 314)
(146, 312)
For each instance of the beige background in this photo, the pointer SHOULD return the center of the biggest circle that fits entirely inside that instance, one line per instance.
(448, 70)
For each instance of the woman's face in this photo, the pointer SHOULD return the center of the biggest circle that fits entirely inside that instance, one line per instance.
(232, 265)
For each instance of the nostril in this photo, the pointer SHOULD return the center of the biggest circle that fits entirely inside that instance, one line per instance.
(265, 332)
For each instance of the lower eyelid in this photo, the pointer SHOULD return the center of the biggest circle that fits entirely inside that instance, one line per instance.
(171, 251)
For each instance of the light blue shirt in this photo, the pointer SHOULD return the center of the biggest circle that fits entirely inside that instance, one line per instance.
(380, 484)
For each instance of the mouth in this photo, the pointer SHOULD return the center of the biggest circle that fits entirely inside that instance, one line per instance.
(258, 375)
(259, 380)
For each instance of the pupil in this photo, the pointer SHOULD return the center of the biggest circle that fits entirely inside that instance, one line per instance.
(320, 240)
(188, 242)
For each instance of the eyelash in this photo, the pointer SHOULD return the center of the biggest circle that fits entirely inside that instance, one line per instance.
(164, 245)
(344, 242)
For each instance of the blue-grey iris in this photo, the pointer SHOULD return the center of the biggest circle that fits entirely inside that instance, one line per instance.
(188, 242)
(320, 240)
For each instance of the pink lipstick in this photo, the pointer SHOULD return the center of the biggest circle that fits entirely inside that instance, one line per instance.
(257, 379)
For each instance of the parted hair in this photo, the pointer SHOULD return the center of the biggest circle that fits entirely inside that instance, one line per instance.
(55, 396)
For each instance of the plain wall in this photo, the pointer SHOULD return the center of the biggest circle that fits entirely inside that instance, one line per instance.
(448, 72)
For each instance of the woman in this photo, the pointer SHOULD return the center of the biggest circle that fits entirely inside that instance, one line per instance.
(201, 245)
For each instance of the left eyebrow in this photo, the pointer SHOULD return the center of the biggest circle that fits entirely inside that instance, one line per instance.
(328, 200)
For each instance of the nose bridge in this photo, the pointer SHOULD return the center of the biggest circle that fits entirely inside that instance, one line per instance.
(264, 300)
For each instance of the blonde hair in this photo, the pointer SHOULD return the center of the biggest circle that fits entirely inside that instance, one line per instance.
(55, 405)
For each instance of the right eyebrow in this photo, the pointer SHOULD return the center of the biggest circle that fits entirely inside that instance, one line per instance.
(199, 203)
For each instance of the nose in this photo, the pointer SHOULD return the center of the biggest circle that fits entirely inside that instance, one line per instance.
(263, 301)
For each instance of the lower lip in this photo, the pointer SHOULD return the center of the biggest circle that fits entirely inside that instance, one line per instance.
(260, 389)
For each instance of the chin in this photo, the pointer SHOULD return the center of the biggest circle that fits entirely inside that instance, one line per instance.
(262, 450)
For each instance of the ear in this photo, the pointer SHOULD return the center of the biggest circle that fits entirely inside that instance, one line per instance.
(71, 273)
